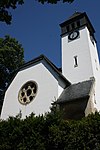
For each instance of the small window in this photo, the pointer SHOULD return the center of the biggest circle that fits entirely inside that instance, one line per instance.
(73, 26)
(96, 64)
(94, 98)
(63, 30)
(67, 28)
(78, 23)
(75, 61)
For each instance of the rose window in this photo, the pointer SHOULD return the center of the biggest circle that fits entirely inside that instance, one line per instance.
(27, 92)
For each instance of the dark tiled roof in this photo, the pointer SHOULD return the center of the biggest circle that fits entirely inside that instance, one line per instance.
(35, 60)
(76, 91)
(78, 16)
(75, 15)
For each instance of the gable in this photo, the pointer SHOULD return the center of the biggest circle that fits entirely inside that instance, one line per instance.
(50, 84)
(50, 67)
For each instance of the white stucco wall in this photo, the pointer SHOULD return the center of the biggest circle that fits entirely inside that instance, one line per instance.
(96, 71)
(80, 48)
(47, 92)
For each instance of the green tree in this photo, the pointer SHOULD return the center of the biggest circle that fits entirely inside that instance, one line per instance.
(5, 5)
(50, 132)
(11, 58)
(54, 1)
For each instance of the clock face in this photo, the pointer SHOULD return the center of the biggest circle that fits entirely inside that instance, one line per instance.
(27, 92)
(73, 35)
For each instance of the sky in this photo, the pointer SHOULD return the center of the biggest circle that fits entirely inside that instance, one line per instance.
(36, 26)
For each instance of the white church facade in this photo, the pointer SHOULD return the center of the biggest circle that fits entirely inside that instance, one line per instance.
(38, 83)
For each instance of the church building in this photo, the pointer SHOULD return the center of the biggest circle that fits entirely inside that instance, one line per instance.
(75, 89)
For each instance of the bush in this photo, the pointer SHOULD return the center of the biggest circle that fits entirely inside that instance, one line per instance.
(50, 132)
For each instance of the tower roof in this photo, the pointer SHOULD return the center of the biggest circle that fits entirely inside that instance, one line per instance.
(75, 15)
(79, 19)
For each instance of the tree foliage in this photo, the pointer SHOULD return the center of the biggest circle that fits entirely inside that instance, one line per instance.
(54, 1)
(5, 5)
(50, 132)
(11, 58)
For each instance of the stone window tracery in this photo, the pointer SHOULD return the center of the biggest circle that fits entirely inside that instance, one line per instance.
(27, 92)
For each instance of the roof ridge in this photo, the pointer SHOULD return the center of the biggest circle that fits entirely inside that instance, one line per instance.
(39, 58)
(75, 14)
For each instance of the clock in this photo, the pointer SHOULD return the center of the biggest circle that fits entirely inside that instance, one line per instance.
(73, 35)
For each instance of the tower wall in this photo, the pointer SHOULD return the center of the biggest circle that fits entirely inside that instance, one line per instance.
(77, 48)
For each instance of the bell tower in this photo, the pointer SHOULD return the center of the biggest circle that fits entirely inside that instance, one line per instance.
(80, 60)
(79, 53)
